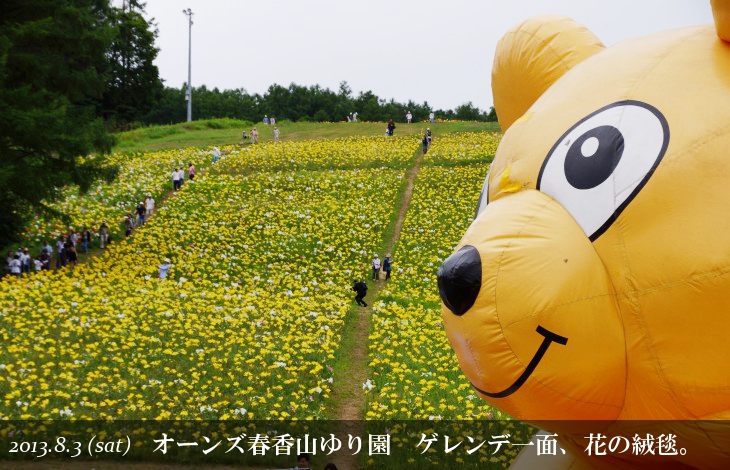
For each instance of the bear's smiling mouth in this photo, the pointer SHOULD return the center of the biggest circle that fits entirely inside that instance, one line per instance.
(550, 337)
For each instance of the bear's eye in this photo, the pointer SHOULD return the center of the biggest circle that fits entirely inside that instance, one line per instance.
(484, 195)
(599, 165)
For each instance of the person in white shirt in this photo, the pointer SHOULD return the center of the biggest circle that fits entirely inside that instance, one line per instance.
(180, 177)
(175, 180)
(25, 261)
(431, 117)
(149, 205)
(15, 266)
(409, 117)
(38, 264)
(376, 267)
(276, 134)
(216, 154)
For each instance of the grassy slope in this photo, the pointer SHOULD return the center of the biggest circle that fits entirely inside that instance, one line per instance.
(228, 131)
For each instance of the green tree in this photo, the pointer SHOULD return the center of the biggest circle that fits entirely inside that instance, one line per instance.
(468, 112)
(134, 85)
(492, 115)
(52, 75)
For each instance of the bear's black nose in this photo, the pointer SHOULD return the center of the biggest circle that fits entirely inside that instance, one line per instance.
(459, 279)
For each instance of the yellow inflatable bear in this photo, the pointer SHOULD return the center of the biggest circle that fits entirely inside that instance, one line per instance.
(591, 294)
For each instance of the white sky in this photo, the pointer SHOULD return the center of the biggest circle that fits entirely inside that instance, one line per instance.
(424, 50)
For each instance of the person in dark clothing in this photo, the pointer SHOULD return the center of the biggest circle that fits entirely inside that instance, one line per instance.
(85, 240)
(361, 288)
(391, 127)
(128, 225)
(387, 266)
(141, 213)
(71, 254)
(303, 462)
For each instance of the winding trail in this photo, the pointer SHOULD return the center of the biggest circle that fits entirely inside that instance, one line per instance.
(348, 388)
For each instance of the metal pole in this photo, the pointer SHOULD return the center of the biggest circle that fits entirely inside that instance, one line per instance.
(189, 94)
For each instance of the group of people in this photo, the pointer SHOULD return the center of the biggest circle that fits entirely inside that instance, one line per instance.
(141, 213)
(253, 135)
(431, 117)
(21, 262)
(269, 120)
(178, 176)
(67, 246)
(352, 117)
(361, 288)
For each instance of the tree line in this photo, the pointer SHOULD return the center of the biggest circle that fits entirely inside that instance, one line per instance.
(297, 103)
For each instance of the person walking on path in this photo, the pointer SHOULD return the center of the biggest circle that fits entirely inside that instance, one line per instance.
(103, 234)
(141, 212)
(376, 267)
(149, 204)
(128, 225)
(61, 252)
(85, 240)
(387, 266)
(361, 288)
(71, 253)
(175, 179)
(16, 268)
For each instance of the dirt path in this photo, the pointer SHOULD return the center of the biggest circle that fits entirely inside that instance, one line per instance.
(349, 386)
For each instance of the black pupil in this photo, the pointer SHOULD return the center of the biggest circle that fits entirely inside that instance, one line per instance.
(604, 152)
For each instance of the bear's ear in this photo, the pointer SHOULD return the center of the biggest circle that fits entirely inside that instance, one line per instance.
(721, 12)
(531, 57)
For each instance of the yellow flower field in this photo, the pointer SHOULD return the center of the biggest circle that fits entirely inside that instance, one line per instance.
(264, 247)
(139, 175)
(351, 152)
(245, 325)
(412, 364)
(463, 147)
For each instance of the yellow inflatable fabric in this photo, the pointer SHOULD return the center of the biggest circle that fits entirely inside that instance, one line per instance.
(591, 294)
(531, 57)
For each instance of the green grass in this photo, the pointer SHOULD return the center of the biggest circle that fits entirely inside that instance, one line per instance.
(228, 131)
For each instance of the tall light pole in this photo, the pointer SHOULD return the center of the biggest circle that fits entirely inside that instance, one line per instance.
(189, 93)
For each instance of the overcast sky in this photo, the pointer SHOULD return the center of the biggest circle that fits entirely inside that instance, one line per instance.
(424, 50)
